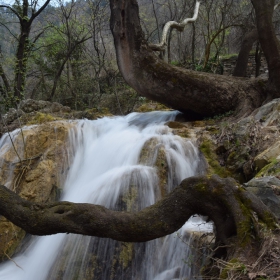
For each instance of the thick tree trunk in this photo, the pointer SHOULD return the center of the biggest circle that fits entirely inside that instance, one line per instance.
(269, 42)
(21, 59)
(258, 59)
(185, 90)
(228, 205)
(250, 38)
(5, 80)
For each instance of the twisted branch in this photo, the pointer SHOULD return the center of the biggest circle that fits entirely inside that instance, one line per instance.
(226, 204)
(173, 24)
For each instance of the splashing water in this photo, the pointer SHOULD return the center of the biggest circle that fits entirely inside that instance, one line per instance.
(116, 164)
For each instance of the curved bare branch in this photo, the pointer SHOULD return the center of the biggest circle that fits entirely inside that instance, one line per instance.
(173, 24)
(12, 10)
(6, 27)
(35, 14)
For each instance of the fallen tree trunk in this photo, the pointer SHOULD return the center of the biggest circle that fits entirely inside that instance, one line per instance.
(188, 91)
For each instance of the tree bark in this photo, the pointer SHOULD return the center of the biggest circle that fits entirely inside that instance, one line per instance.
(228, 205)
(269, 42)
(188, 91)
(250, 38)
(21, 58)
(5, 80)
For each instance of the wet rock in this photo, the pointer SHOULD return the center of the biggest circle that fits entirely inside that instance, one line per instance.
(153, 154)
(173, 273)
(35, 162)
(267, 189)
(179, 129)
(174, 124)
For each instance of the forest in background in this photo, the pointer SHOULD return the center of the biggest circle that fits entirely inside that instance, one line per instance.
(69, 54)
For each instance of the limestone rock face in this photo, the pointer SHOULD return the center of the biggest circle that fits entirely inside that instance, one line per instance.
(38, 111)
(35, 167)
(268, 114)
(267, 189)
(153, 153)
(29, 105)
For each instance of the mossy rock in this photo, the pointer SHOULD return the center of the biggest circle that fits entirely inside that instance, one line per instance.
(10, 238)
(126, 254)
(198, 123)
(271, 169)
(208, 148)
(152, 106)
(92, 114)
(175, 125)
(37, 173)
(212, 129)
(179, 128)
(184, 132)
(40, 118)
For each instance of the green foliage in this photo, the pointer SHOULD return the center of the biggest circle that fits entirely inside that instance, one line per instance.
(213, 66)
(229, 56)
(175, 63)
(271, 169)
(234, 265)
(220, 116)
(9, 101)
(40, 118)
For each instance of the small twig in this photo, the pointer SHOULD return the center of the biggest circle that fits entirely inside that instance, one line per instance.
(20, 127)
(30, 158)
(10, 137)
(260, 257)
(266, 266)
(13, 261)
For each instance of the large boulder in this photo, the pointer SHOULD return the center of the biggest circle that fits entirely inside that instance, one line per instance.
(268, 190)
(264, 158)
(39, 160)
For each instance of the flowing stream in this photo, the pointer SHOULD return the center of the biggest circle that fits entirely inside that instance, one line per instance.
(123, 163)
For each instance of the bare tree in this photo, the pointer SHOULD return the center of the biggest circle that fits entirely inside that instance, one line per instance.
(73, 33)
(26, 12)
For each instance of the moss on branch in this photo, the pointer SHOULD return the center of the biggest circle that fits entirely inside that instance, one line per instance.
(226, 203)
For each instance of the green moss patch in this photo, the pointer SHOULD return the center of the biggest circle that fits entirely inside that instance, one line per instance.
(40, 118)
(126, 254)
(271, 169)
(152, 106)
(233, 265)
(207, 148)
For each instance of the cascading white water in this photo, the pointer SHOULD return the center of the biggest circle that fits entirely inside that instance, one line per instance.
(107, 170)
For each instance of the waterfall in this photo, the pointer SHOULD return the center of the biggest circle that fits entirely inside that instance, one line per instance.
(119, 163)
